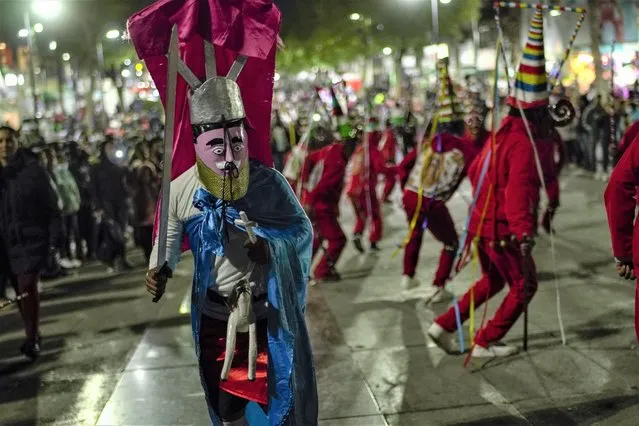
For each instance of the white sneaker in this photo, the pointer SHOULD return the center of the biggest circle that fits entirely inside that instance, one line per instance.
(408, 282)
(443, 339)
(496, 350)
(76, 263)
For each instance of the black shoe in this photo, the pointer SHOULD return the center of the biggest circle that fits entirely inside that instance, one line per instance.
(31, 349)
(357, 242)
(374, 247)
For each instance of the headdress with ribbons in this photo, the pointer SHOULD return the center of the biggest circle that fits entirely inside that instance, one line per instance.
(531, 88)
(530, 91)
(531, 81)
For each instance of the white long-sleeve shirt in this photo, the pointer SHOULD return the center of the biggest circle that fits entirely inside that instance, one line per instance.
(227, 270)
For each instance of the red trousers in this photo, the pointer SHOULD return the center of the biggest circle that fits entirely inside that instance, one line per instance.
(498, 268)
(436, 216)
(327, 228)
(390, 179)
(364, 212)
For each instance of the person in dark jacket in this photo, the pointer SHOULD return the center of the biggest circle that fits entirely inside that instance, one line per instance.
(25, 229)
(81, 170)
(70, 196)
(110, 195)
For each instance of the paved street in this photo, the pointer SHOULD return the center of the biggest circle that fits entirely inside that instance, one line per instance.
(111, 357)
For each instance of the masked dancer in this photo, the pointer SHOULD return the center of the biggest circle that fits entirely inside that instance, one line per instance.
(249, 235)
(503, 217)
(437, 181)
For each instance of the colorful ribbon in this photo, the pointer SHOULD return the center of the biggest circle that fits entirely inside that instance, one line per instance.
(521, 5)
(571, 42)
(532, 141)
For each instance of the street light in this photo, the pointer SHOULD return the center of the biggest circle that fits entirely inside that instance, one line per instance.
(38, 28)
(47, 8)
(66, 57)
(355, 17)
(387, 51)
(23, 33)
(11, 80)
(112, 34)
(53, 45)
(444, 1)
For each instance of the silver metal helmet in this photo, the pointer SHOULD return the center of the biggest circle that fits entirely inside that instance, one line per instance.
(218, 99)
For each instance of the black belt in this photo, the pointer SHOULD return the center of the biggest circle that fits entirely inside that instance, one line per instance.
(215, 297)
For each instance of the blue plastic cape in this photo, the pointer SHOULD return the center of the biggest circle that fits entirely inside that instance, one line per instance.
(281, 221)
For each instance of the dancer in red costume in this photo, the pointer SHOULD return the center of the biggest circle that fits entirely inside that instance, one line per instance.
(323, 176)
(448, 165)
(294, 161)
(620, 206)
(361, 183)
(628, 137)
(502, 219)
(388, 149)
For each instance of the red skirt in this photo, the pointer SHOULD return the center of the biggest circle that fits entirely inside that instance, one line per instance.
(212, 351)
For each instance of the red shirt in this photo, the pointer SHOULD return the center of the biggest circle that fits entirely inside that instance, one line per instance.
(515, 182)
(323, 177)
(620, 204)
(358, 169)
(388, 146)
(629, 135)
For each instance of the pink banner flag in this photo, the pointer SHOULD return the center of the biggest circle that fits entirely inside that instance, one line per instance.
(246, 27)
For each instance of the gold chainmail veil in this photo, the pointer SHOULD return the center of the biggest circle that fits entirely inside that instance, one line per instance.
(226, 189)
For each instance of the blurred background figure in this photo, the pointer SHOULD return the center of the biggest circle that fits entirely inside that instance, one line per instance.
(71, 243)
(280, 144)
(144, 180)
(110, 195)
(80, 168)
(29, 208)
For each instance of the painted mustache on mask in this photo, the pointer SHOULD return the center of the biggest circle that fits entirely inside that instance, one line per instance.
(230, 167)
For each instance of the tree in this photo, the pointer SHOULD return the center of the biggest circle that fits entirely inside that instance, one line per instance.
(322, 34)
(85, 24)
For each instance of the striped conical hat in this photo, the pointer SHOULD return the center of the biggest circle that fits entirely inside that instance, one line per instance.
(531, 84)
(448, 108)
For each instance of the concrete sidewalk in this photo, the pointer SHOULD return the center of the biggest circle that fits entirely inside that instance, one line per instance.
(376, 366)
